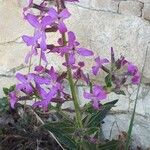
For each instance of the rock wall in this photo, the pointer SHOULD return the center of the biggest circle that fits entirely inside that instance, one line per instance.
(99, 24)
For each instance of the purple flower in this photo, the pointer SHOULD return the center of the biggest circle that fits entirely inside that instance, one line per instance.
(73, 44)
(13, 99)
(39, 69)
(52, 86)
(46, 97)
(99, 63)
(71, 49)
(31, 41)
(59, 18)
(98, 94)
(134, 72)
(39, 35)
(79, 74)
(25, 84)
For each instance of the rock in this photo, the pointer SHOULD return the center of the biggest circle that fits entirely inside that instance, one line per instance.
(12, 25)
(146, 11)
(105, 5)
(120, 123)
(131, 8)
(129, 35)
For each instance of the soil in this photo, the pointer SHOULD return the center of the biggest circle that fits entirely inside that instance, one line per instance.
(21, 131)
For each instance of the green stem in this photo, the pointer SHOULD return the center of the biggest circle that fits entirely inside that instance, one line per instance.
(73, 90)
(75, 100)
(135, 104)
(61, 5)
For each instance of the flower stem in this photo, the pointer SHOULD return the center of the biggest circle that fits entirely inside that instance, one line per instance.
(75, 100)
(73, 90)
(60, 6)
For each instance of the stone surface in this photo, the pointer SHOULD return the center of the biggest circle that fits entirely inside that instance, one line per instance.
(146, 11)
(105, 5)
(131, 8)
(12, 26)
(119, 117)
(129, 35)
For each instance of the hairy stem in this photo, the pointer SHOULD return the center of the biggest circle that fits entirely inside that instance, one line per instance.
(60, 6)
(73, 92)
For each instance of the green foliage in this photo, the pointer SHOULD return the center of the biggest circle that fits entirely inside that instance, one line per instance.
(95, 117)
(8, 90)
(4, 106)
(108, 81)
(121, 92)
(72, 137)
(63, 131)
(111, 145)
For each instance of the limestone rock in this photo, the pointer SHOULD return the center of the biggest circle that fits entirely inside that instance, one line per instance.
(131, 8)
(12, 24)
(129, 35)
(146, 11)
(105, 5)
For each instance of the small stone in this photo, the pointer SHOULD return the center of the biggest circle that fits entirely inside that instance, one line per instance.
(131, 8)
(146, 11)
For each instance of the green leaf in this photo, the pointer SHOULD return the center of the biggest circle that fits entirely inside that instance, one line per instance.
(63, 138)
(97, 116)
(120, 92)
(8, 90)
(67, 127)
(111, 145)
(63, 130)
(108, 80)
(4, 106)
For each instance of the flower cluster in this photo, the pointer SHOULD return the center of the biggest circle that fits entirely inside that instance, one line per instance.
(47, 85)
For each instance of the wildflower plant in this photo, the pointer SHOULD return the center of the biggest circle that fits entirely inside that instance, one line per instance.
(46, 86)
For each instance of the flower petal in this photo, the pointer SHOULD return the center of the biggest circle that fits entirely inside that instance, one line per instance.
(62, 27)
(43, 42)
(88, 95)
(46, 21)
(95, 70)
(71, 60)
(64, 14)
(71, 38)
(21, 77)
(84, 52)
(28, 40)
(33, 20)
(53, 13)
(12, 99)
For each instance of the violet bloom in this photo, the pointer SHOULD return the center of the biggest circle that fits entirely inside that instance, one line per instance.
(51, 89)
(79, 74)
(46, 97)
(71, 49)
(59, 18)
(73, 45)
(134, 72)
(25, 84)
(13, 99)
(98, 94)
(99, 63)
(39, 36)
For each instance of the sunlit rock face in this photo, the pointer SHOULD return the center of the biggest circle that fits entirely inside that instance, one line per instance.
(99, 25)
